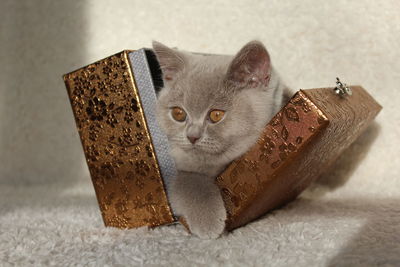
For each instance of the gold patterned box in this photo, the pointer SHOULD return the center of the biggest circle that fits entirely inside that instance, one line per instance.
(295, 148)
(127, 155)
(113, 101)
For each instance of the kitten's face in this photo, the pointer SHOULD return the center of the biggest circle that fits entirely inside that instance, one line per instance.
(199, 107)
(209, 104)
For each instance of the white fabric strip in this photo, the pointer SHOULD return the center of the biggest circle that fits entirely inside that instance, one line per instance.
(145, 86)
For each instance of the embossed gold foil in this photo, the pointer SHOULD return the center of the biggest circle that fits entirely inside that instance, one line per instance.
(118, 148)
(299, 143)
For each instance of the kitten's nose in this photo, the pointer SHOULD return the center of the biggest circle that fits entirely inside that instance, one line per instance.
(193, 139)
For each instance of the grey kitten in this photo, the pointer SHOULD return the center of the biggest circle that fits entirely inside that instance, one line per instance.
(213, 109)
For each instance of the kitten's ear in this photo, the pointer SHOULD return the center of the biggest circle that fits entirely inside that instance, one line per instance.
(171, 61)
(251, 66)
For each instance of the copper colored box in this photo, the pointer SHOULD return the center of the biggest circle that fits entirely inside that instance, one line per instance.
(298, 144)
(126, 158)
(115, 136)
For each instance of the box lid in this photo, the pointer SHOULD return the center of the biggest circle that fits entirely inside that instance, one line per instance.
(299, 143)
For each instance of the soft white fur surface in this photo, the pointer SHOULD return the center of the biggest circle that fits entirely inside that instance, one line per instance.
(48, 210)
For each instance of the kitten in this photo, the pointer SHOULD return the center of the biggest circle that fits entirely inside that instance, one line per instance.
(213, 109)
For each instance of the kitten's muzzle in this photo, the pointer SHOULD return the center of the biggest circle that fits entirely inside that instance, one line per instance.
(193, 139)
(193, 132)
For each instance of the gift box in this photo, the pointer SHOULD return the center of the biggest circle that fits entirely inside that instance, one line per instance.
(295, 148)
(114, 100)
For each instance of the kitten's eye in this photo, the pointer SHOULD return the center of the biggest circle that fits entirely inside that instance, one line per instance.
(216, 115)
(178, 114)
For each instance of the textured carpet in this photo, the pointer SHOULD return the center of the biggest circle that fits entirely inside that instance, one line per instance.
(48, 210)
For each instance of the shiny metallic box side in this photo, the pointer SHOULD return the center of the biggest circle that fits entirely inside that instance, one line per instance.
(299, 143)
(117, 144)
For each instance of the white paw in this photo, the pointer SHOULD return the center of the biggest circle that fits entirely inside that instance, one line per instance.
(207, 229)
(197, 199)
(207, 224)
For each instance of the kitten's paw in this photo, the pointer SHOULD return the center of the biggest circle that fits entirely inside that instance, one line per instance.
(208, 230)
(196, 198)
(207, 225)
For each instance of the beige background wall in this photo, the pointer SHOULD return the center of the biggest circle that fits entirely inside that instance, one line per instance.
(311, 42)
